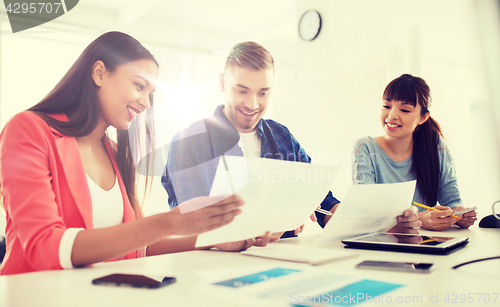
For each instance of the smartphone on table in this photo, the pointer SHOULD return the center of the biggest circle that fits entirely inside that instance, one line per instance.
(412, 267)
(133, 280)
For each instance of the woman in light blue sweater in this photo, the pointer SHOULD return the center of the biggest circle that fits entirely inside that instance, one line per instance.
(412, 149)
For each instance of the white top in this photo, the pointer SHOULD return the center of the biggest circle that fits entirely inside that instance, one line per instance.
(107, 206)
(250, 143)
(107, 210)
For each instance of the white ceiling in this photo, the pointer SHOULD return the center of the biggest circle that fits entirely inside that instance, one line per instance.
(196, 24)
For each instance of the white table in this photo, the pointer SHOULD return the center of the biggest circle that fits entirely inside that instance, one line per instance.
(74, 288)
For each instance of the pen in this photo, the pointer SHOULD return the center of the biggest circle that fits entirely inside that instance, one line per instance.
(323, 211)
(430, 208)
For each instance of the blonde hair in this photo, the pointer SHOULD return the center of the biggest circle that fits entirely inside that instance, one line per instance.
(249, 55)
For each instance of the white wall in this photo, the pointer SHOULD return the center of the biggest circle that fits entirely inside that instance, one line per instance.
(362, 47)
(327, 91)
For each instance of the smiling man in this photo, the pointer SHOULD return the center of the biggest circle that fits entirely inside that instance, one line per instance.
(247, 93)
(236, 128)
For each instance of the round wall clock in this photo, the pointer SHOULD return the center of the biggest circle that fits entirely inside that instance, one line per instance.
(310, 25)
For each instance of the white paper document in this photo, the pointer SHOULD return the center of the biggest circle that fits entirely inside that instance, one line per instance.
(279, 196)
(368, 208)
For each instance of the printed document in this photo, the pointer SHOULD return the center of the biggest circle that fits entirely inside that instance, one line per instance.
(279, 195)
(368, 208)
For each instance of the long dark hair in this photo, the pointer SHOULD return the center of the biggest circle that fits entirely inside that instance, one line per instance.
(76, 96)
(425, 160)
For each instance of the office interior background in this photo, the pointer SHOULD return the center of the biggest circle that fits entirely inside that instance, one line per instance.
(327, 91)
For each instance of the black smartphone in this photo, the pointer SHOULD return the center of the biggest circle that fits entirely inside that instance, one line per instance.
(411, 267)
(132, 280)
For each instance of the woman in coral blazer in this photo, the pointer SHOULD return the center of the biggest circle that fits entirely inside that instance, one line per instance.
(49, 154)
(43, 175)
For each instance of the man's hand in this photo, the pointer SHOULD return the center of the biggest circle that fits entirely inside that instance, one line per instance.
(277, 235)
(245, 244)
(301, 227)
(328, 217)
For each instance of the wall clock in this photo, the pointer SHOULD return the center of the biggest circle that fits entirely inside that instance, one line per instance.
(310, 25)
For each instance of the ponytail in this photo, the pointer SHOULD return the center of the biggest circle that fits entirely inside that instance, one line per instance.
(425, 160)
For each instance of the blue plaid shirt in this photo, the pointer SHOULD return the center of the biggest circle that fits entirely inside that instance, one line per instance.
(194, 156)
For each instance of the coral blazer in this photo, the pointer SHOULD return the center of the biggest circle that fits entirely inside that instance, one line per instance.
(45, 191)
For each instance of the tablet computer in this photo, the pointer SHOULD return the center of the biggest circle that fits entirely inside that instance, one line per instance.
(407, 243)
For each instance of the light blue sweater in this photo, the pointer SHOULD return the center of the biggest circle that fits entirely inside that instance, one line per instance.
(372, 165)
